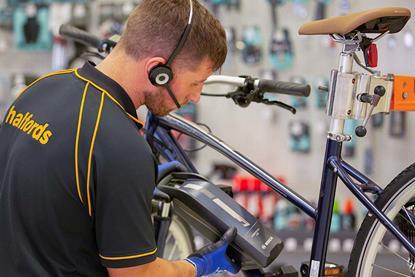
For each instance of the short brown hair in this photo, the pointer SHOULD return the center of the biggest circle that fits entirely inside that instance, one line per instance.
(155, 26)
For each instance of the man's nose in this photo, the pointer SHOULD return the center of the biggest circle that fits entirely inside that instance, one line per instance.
(195, 97)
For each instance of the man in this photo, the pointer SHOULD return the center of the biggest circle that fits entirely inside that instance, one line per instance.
(76, 179)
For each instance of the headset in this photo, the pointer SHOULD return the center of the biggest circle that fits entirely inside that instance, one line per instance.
(161, 75)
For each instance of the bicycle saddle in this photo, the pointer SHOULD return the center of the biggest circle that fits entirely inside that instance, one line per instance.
(381, 20)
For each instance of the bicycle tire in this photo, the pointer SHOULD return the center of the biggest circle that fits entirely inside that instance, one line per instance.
(179, 236)
(369, 239)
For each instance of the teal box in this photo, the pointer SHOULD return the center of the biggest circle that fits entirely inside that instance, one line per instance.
(32, 32)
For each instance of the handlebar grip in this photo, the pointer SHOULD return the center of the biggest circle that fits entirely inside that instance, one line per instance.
(289, 88)
(79, 35)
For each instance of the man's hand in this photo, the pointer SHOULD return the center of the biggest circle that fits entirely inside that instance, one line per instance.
(212, 258)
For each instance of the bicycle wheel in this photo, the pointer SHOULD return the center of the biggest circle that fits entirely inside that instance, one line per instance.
(375, 251)
(179, 241)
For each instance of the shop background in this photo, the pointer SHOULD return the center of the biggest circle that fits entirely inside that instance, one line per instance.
(262, 132)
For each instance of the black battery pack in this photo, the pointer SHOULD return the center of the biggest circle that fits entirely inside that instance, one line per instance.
(212, 211)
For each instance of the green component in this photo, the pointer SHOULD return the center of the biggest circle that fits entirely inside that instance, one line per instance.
(336, 207)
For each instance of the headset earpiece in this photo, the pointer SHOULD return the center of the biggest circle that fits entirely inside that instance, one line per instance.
(160, 75)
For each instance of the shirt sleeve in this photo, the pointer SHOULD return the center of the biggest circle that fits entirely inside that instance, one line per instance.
(125, 180)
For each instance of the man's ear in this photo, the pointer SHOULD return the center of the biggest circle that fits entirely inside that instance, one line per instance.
(153, 62)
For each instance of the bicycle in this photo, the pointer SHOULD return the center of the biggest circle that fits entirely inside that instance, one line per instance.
(188, 199)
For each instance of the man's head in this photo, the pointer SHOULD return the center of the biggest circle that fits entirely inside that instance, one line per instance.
(152, 33)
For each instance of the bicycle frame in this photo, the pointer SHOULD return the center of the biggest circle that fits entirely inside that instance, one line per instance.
(159, 129)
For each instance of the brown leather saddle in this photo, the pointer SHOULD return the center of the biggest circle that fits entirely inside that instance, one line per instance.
(390, 19)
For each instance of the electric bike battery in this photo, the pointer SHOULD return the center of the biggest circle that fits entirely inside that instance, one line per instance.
(211, 212)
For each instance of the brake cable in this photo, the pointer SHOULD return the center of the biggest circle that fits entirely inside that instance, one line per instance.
(201, 147)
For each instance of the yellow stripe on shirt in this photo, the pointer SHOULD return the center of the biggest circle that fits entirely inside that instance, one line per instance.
(78, 131)
(88, 176)
(109, 96)
(129, 257)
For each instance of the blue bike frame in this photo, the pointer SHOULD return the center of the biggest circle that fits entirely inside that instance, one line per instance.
(158, 134)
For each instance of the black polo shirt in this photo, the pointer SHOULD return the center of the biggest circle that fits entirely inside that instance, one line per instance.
(76, 179)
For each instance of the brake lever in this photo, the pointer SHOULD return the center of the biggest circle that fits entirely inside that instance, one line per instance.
(281, 105)
(259, 98)
(241, 98)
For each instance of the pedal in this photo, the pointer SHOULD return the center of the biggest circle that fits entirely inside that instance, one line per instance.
(330, 269)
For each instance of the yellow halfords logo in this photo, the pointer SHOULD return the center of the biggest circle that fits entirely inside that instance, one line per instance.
(26, 124)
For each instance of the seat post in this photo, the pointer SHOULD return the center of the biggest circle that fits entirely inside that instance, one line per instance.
(345, 66)
(346, 59)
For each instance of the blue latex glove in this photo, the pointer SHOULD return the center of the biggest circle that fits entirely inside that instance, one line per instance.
(212, 258)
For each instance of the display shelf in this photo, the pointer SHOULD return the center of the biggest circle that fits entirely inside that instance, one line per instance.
(341, 242)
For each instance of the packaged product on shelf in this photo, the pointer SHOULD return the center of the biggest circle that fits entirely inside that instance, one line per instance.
(348, 216)
(335, 220)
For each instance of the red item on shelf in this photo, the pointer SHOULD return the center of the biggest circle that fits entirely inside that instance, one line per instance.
(348, 207)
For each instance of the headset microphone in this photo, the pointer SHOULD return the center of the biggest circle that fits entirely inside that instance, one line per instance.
(161, 75)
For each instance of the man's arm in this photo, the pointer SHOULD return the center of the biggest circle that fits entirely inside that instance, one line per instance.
(158, 267)
(210, 259)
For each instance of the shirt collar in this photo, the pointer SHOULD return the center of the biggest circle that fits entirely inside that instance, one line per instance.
(89, 72)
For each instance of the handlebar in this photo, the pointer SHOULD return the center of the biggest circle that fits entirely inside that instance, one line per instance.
(262, 85)
(280, 87)
(253, 90)
(102, 45)
(223, 79)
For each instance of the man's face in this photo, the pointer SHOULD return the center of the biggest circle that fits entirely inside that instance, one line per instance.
(186, 86)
